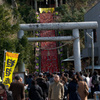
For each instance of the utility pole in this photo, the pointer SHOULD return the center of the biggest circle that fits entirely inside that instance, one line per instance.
(92, 45)
(92, 54)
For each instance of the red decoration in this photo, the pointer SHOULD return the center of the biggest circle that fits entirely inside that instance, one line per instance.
(49, 58)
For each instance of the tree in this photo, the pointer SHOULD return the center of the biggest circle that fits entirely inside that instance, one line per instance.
(76, 4)
(26, 53)
(6, 29)
(27, 13)
(68, 15)
(5, 44)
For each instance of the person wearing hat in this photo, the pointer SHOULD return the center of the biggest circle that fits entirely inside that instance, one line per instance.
(17, 89)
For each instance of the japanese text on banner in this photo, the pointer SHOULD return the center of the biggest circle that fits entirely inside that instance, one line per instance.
(10, 63)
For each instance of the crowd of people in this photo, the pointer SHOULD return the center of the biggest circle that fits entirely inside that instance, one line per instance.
(53, 86)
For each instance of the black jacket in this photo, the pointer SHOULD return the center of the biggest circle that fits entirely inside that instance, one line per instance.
(35, 93)
(42, 83)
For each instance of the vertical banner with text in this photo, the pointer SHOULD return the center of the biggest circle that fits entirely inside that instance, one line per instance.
(10, 63)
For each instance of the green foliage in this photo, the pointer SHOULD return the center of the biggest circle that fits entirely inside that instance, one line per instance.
(27, 13)
(25, 50)
(26, 53)
(9, 1)
(22, 48)
(67, 15)
(6, 44)
(30, 65)
(6, 27)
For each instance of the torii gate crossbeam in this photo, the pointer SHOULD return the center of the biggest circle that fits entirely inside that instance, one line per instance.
(59, 26)
(44, 39)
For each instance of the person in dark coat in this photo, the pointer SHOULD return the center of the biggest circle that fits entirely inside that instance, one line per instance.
(72, 89)
(35, 92)
(65, 90)
(29, 81)
(4, 95)
(95, 81)
(17, 89)
(42, 83)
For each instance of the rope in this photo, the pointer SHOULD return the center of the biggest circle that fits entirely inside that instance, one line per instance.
(55, 47)
(59, 46)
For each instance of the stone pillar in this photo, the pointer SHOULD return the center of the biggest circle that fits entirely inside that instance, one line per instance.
(76, 48)
(21, 66)
(20, 34)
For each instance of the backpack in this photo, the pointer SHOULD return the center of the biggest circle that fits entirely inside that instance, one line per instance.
(95, 80)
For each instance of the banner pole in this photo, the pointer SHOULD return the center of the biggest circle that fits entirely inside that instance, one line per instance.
(3, 65)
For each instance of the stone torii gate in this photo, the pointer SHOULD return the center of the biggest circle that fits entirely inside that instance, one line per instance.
(74, 26)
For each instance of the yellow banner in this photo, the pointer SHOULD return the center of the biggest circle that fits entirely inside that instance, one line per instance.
(10, 63)
(46, 10)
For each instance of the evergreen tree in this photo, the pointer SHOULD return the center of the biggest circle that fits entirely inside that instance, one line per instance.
(6, 29)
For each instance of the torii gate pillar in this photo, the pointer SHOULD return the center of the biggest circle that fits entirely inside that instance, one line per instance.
(76, 50)
(21, 66)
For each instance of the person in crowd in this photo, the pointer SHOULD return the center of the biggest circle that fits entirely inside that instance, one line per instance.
(5, 95)
(29, 81)
(82, 87)
(91, 86)
(87, 78)
(72, 89)
(65, 79)
(48, 83)
(17, 89)
(62, 75)
(51, 79)
(65, 90)
(95, 81)
(21, 79)
(83, 76)
(35, 92)
(56, 89)
(70, 73)
(42, 83)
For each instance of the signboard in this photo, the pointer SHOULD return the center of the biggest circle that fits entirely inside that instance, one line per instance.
(46, 10)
